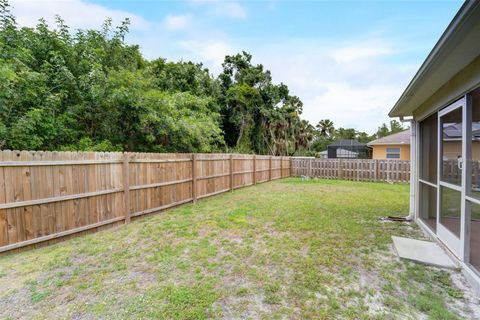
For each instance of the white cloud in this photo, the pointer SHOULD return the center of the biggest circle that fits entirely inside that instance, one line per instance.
(177, 22)
(351, 85)
(350, 106)
(230, 9)
(78, 14)
(210, 52)
(359, 51)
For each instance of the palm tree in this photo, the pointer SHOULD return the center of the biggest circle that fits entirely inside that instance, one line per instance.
(305, 135)
(326, 128)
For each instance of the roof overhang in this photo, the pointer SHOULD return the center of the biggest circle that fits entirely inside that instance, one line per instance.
(458, 46)
(388, 144)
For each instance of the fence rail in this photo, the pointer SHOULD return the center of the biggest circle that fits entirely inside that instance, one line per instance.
(352, 169)
(45, 196)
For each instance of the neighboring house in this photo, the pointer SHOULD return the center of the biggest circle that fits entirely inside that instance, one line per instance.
(394, 146)
(443, 100)
(349, 149)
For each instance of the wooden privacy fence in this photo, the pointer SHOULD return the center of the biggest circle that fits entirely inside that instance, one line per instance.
(45, 196)
(352, 169)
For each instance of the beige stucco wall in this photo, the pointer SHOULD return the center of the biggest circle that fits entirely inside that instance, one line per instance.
(380, 151)
(453, 149)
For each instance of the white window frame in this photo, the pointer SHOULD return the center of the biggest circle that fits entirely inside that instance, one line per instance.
(387, 153)
(455, 244)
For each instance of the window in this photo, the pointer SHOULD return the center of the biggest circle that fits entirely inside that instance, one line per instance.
(393, 153)
(428, 131)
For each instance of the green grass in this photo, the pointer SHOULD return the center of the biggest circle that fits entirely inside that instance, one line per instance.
(287, 249)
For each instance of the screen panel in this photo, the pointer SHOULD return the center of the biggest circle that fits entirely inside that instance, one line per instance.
(428, 131)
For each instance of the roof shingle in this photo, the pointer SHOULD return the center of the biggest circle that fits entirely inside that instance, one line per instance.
(396, 138)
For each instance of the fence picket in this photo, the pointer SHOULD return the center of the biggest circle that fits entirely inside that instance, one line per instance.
(352, 169)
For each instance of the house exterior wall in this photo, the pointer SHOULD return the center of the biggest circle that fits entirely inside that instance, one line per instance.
(452, 150)
(380, 151)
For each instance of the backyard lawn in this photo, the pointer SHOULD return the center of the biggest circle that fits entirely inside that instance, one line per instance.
(286, 249)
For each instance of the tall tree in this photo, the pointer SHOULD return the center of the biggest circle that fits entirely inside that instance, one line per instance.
(258, 115)
(393, 127)
(325, 128)
(345, 133)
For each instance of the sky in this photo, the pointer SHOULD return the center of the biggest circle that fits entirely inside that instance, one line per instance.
(348, 61)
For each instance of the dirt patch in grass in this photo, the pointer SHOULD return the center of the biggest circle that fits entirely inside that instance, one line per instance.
(290, 249)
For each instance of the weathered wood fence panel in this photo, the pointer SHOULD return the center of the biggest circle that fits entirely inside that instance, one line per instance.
(45, 196)
(352, 169)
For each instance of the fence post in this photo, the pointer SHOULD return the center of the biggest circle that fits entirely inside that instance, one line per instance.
(126, 185)
(340, 169)
(290, 169)
(309, 168)
(388, 171)
(290, 166)
(231, 172)
(270, 168)
(376, 169)
(194, 177)
(254, 169)
(281, 167)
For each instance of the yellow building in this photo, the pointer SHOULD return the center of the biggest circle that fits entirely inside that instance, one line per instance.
(394, 146)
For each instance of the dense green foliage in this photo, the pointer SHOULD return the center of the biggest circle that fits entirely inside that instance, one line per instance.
(89, 90)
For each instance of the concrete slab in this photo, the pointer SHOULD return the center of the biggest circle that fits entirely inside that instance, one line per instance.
(425, 252)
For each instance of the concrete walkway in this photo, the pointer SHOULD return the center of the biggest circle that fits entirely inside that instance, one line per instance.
(425, 252)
